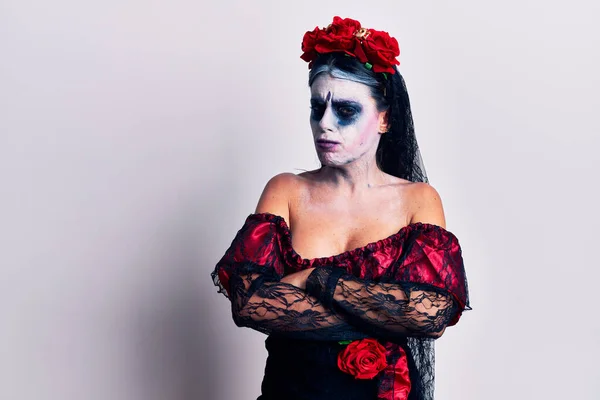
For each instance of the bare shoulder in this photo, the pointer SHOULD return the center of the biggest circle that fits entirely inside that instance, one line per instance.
(277, 193)
(426, 205)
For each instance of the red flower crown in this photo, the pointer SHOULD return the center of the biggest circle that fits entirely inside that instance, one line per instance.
(376, 49)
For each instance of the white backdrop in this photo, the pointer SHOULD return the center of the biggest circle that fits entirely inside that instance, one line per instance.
(136, 136)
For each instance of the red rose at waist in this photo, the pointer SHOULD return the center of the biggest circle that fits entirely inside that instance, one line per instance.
(362, 359)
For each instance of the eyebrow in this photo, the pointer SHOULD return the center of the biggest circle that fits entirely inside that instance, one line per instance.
(337, 102)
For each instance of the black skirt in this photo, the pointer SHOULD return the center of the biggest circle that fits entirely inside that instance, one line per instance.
(307, 370)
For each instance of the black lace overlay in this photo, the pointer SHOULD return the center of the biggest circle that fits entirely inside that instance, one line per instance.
(413, 314)
(384, 309)
(262, 303)
(404, 290)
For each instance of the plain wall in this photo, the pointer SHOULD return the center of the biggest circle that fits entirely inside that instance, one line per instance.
(136, 137)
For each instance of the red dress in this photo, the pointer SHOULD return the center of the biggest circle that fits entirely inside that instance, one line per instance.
(401, 290)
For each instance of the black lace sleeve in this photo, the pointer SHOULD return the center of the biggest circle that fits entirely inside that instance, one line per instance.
(421, 294)
(250, 273)
(261, 302)
(384, 309)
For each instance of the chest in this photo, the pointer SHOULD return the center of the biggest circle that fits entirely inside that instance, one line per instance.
(316, 236)
(325, 223)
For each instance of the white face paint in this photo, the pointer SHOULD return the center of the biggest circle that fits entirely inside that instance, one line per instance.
(343, 112)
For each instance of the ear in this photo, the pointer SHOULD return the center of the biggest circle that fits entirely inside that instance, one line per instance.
(383, 122)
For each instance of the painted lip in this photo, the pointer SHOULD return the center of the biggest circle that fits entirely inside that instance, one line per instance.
(326, 145)
(326, 141)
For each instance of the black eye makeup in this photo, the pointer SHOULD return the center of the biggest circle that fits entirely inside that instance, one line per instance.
(346, 111)
(317, 108)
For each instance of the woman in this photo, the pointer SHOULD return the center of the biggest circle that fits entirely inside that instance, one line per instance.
(358, 324)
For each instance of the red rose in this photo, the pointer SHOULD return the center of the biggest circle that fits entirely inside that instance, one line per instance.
(347, 36)
(339, 36)
(344, 27)
(362, 358)
(381, 50)
(308, 44)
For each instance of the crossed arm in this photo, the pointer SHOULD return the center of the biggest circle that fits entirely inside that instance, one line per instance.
(325, 302)
(348, 307)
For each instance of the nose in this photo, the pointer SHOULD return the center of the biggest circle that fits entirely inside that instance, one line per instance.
(327, 122)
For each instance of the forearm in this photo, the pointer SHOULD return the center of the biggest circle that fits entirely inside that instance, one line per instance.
(279, 307)
(385, 309)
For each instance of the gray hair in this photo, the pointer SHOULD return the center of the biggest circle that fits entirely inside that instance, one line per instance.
(340, 74)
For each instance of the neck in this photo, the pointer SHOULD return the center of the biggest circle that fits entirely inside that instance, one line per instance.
(358, 176)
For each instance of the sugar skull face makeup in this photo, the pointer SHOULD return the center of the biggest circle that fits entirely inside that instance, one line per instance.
(344, 120)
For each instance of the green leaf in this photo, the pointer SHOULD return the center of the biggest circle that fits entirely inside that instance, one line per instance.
(345, 341)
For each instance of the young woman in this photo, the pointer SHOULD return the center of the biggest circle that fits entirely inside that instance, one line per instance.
(349, 268)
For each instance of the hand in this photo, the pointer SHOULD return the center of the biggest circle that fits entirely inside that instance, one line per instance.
(298, 279)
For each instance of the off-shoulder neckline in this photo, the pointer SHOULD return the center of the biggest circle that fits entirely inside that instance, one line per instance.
(286, 236)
